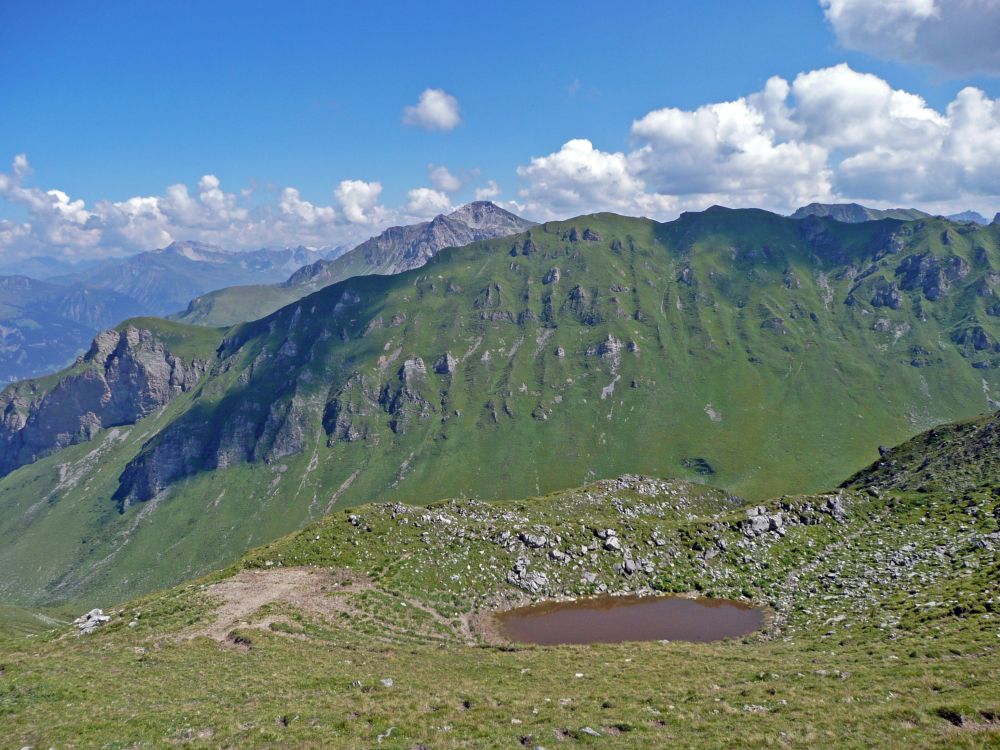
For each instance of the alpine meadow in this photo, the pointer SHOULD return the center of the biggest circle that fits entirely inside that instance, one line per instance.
(336, 416)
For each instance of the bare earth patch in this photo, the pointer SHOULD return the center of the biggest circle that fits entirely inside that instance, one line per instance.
(310, 589)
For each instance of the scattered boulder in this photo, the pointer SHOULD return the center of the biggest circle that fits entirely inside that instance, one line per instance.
(535, 541)
(533, 582)
(446, 364)
(88, 623)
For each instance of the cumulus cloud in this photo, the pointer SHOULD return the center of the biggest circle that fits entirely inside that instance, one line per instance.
(443, 179)
(580, 177)
(488, 192)
(958, 36)
(359, 201)
(831, 134)
(435, 110)
(57, 224)
(425, 202)
(291, 204)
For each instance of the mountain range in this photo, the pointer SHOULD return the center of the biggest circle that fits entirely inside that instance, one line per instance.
(737, 347)
(395, 250)
(44, 325)
(854, 213)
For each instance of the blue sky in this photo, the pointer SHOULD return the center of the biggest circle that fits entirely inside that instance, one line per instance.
(114, 101)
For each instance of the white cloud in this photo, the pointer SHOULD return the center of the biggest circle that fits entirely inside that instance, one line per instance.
(435, 110)
(443, 179)
(831, 134)
(958, 36)
(580, 178)
(425, 202)
(359, 201)
(291, 204)
(488, 192)
(57, 224)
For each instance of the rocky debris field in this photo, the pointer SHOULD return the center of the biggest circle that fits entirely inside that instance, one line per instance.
(823, 564)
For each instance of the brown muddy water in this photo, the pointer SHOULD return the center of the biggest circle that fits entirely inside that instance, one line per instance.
(613, 619)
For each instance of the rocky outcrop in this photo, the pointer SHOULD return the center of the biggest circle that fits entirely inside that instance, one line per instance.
(886, 294)
(351, 414)
(445, 364)
(932, 275)
(126, 375)
(403, 400)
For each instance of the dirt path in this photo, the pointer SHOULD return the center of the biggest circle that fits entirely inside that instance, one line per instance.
(317, 591)
(310, 589)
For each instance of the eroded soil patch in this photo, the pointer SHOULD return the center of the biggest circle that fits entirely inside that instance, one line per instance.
(313, 590)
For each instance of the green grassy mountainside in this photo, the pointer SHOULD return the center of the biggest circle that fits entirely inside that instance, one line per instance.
(751, 351)
(372, 628)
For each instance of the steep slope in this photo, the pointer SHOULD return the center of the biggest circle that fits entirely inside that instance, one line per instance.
(854, 213)
(397, 249)
(759, 353)
(43, 326)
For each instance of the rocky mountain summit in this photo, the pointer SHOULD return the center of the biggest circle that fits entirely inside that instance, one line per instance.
(127, 374)
(402, 248)
(395, 250)
(854, 213)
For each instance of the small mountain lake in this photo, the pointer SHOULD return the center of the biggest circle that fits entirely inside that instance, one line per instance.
(613, 619)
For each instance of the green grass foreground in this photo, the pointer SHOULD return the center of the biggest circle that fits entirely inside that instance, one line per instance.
(884, 633)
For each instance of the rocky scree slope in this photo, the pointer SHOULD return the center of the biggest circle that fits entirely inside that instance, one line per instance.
(742, 348)
(395, 250)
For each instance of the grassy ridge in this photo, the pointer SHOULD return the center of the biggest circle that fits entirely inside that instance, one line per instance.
(720, 343)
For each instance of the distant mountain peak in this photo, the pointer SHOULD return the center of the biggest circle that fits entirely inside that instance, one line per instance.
(968, 217)
(401, 248)
(475, 210)
(855, 213)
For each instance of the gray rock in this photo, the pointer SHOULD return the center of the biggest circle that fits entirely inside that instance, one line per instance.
(446, 364)
(535, 541)
(90, 622)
